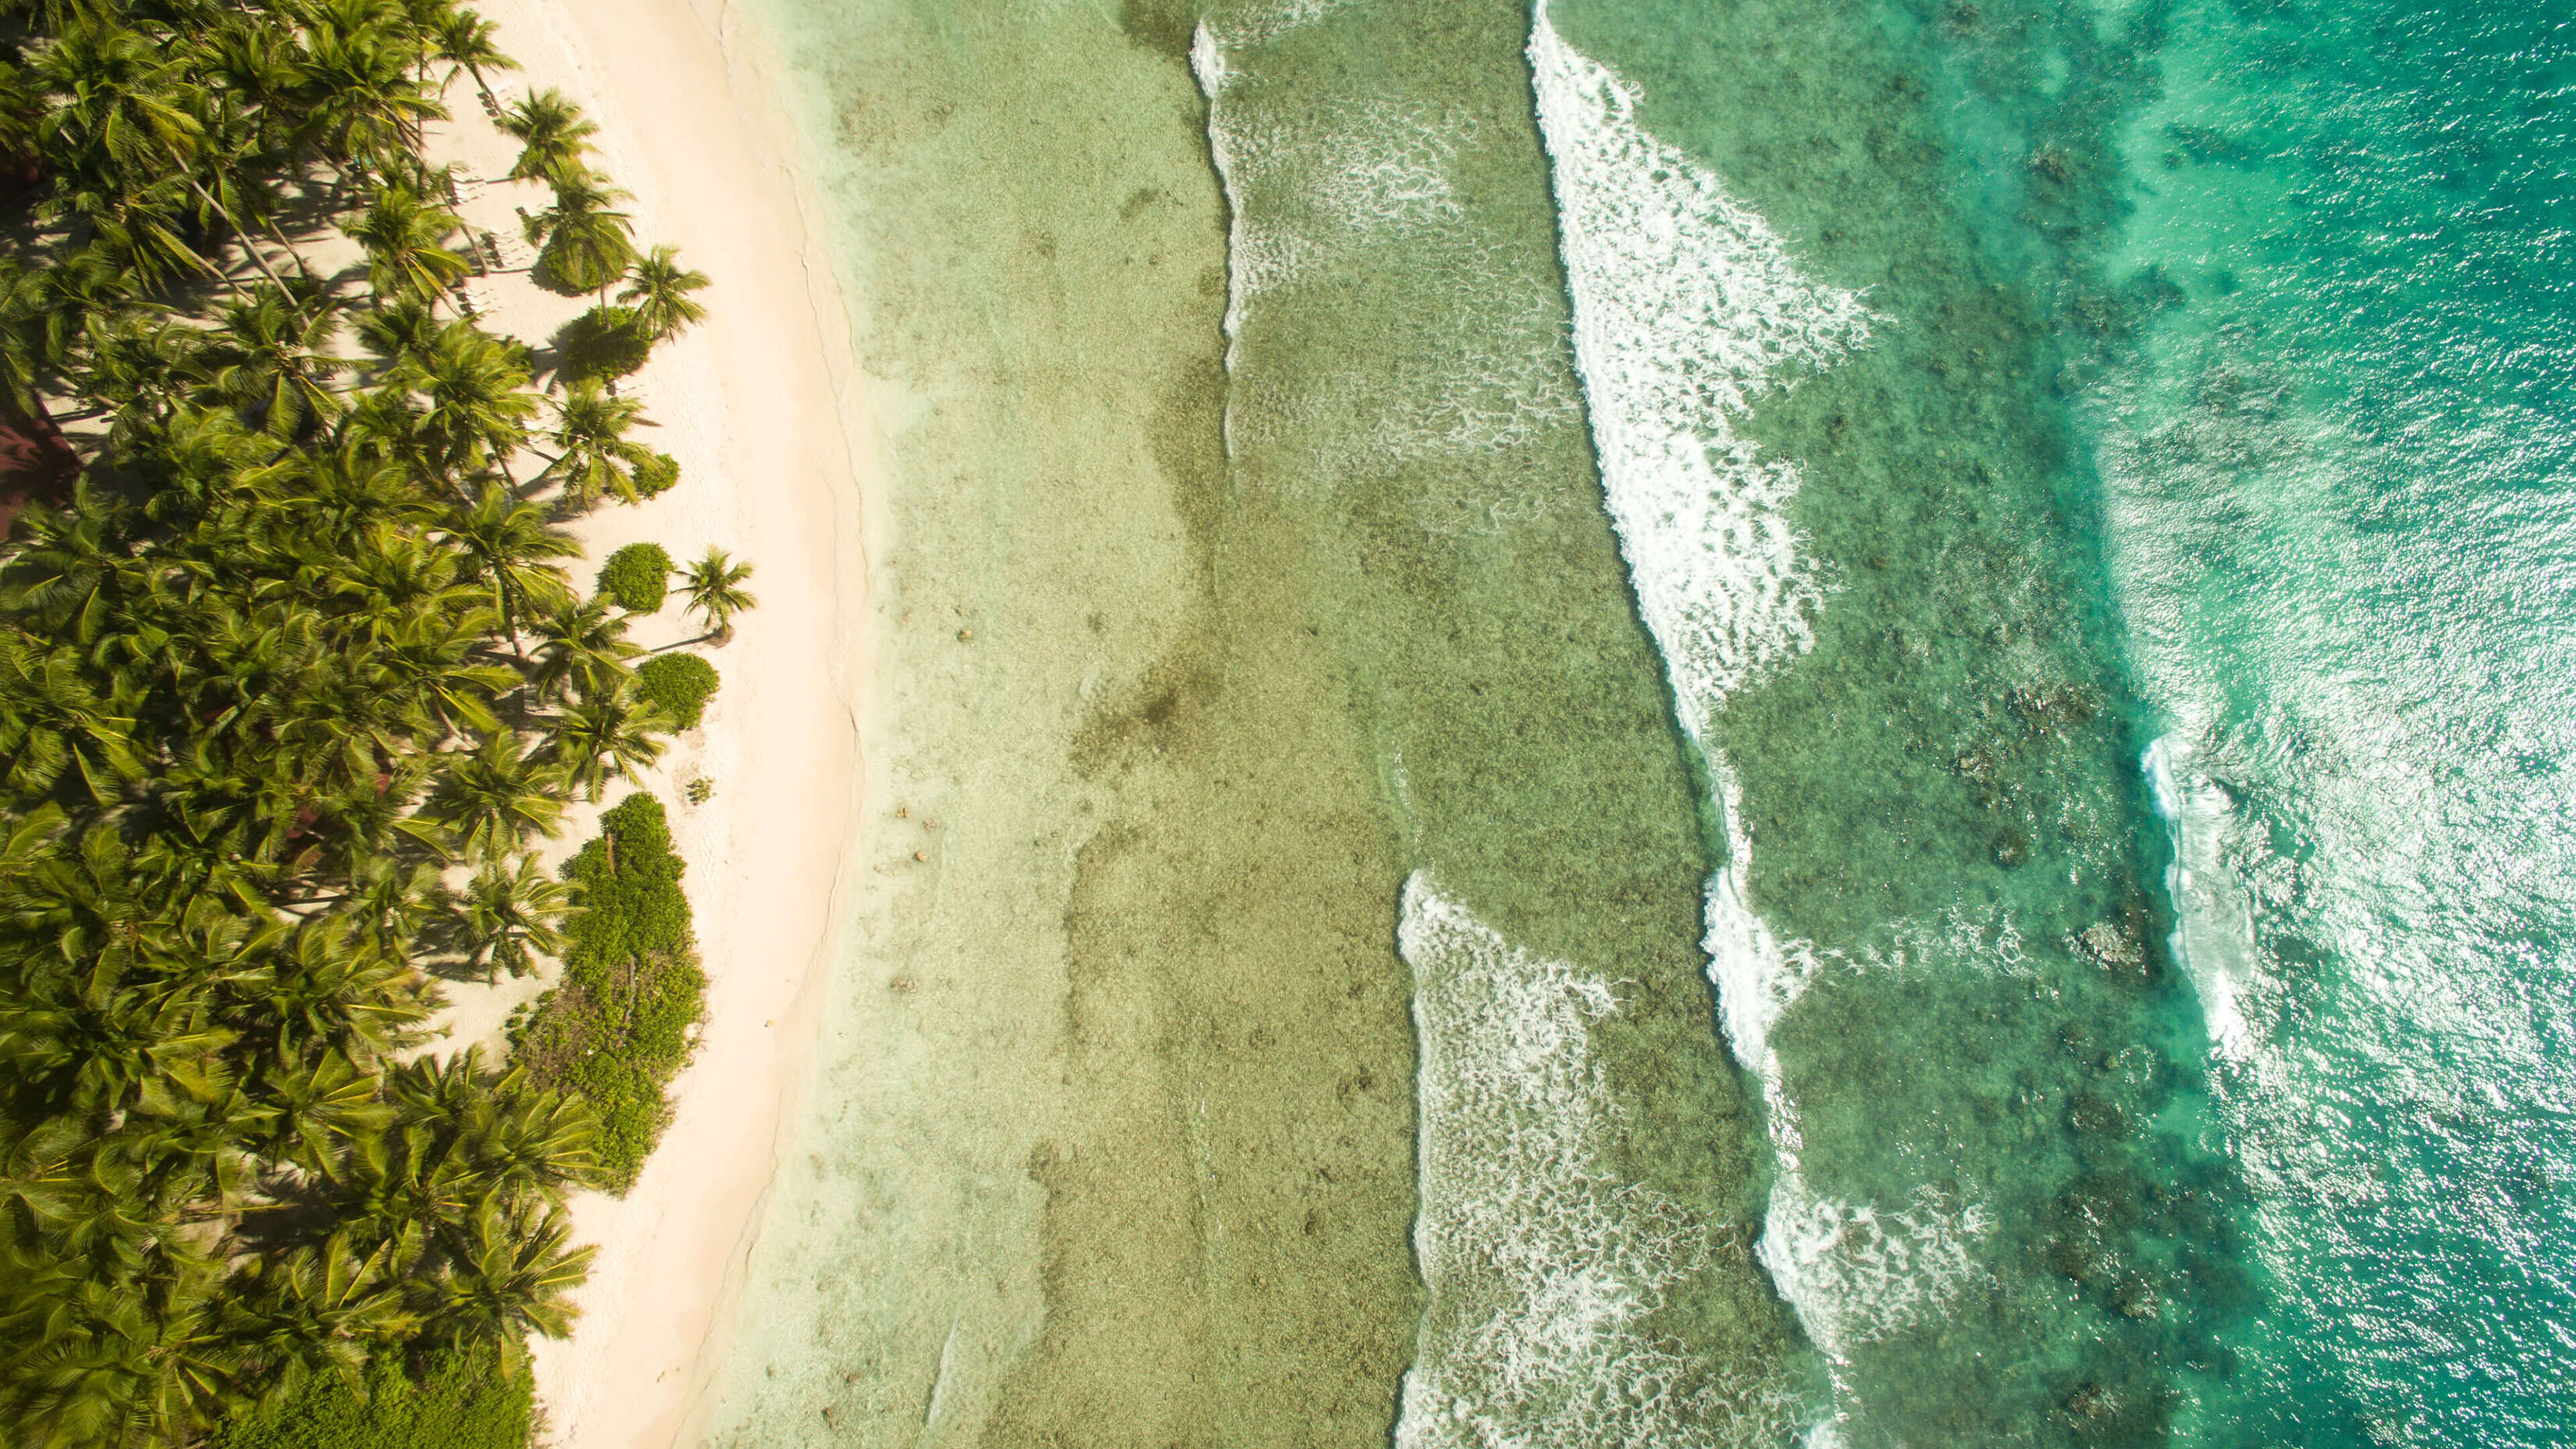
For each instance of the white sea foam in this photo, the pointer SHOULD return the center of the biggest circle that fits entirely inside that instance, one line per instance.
(1325, 189)
(1856, 1272)
(2213, 934)
(1543, 1266)
(1317, 187)
(1686, 308)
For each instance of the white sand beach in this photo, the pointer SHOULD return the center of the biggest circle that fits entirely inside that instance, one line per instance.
(758, 404)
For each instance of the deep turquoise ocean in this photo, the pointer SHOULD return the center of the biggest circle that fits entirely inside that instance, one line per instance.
(2191, 525)
(2103, 483)
(1914, 661)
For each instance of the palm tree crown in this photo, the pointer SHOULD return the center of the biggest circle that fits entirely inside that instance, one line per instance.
(713, 588)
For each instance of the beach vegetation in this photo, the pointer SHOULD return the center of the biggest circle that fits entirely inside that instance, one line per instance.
(601, 346)
(624, 1020)
(585, 242)
(554, 136)
(477, 1396)
(714, 589)
(406, 241)
(654, 474)
(637, 577)
(294, 684)
(680, 684)
(593, 456)
(657, 292)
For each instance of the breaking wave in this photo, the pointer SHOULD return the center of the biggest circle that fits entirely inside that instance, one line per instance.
(1544, 1267)
(1687, 307)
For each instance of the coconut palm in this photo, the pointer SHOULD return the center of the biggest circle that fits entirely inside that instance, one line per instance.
(515, 1277)
(657, 290)
(508, 918)
(371, 103)
(600, 736)
(582, 644)
(271, 359)
(405, 238)
(494, 798)
(475, 388)
(515, 549)
(466, 42)
(262, 681)
(593, 457)
(129, 106)
(554, 137)
(713, 588)
(586, 242)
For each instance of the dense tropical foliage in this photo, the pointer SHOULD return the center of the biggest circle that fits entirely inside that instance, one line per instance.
(292, 682)
(622, 1022)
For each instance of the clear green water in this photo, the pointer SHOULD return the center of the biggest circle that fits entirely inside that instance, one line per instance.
(1698, 723)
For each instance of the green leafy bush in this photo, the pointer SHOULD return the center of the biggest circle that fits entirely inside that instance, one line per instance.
(654, 474)
(637, 577)
(617, 1029)
(450, 1398)
(600, 344)
(680, 683)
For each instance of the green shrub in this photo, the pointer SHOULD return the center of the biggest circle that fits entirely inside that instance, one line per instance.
(654, 474)
(680, 683)
(616, 1030)
(448, 1398)
(637, 577)
(600, 344)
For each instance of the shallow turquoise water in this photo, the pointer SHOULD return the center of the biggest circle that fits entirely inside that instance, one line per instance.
(2192, 531)
(2029, 545)
(2341, 472)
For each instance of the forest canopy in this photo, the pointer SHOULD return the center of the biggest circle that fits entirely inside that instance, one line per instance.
(293, 683)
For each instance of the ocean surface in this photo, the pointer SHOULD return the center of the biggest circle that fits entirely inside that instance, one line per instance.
(1667, 723)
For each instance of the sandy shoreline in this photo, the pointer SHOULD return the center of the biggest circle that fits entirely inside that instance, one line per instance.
(752, 403)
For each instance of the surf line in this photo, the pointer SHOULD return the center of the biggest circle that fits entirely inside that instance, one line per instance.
(1687, 307)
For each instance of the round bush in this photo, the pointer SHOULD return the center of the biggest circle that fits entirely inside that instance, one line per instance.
(655, 473)
(680, 683)
(601, 343)
(636, 577)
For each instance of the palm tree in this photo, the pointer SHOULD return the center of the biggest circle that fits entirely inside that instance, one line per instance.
(593, 457)
(371, 104)
(586, 241)
(131, 125)
(128, 108)
(321, 1308)
(53, 720)
(611, 733)
(713, 588)
(513, 545)
(399, 331)
(554, 137)
(316, 1106)
(513, 1277)
(494, 798)
(272, 360)
(658, 290)
(405, 238)
(508, 918)
(252, 686)
(476, 388)
(465, 41)
(582, 645)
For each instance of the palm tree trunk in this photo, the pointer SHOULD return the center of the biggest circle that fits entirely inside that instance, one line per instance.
(238, 230)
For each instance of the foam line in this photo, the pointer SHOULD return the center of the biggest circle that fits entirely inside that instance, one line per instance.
(1543, 1266)
(2213, 921)
(1687, 308)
